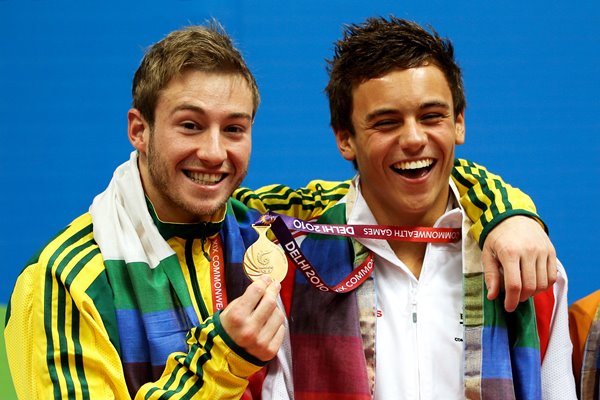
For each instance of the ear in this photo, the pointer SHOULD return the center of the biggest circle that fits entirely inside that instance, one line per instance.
(345, 144)
(460, 128)
(138, 130)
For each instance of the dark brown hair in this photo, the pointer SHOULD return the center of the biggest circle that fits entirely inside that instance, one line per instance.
(377, 47)
(204, 48)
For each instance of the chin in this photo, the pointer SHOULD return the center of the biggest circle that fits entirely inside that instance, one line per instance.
(205, 211)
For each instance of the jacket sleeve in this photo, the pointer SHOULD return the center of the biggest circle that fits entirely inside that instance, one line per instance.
(57, 345)
(487, 199)
(214, 368)
(305, 203)
(62, 344)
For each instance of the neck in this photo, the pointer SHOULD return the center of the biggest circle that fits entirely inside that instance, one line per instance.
(397, 217)
(411, 254)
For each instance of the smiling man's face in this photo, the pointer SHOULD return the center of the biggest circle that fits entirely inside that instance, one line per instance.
(198, 150)
(403, 145)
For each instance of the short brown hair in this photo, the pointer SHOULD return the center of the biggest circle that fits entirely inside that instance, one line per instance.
(204, 48)
(377, 47)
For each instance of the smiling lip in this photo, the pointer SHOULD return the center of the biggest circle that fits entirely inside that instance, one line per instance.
(206, 179)
(414, 169)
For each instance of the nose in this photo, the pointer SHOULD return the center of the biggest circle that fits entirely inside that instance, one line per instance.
(211, 149)
(412, 137)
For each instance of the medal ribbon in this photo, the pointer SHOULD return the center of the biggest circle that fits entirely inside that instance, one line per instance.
(281, 226)
(217, 275)
(401, 233)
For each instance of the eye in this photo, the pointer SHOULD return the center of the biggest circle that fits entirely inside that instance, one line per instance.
(385, 124)
(432, 118)
(189, 125)
(236, 129)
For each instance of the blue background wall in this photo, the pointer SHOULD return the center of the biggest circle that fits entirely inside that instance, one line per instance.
(531, 72)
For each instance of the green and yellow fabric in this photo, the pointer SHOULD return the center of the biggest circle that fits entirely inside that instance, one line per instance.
(7, 391)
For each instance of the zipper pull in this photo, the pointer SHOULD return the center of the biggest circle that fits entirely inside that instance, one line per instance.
(413, 300)
(203, 242)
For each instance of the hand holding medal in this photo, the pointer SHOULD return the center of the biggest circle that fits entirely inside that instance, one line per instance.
(264, 257)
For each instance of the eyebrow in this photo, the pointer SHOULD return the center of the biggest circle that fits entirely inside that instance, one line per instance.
(388, 111)
(200, 110)
(380, 112)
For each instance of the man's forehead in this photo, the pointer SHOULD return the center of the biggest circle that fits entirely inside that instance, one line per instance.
(428, 83)
(195, 89)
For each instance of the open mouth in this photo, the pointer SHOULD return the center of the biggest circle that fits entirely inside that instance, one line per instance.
(414, 169)
(204, 178)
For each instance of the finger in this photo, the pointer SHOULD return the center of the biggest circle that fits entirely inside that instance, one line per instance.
(269, 336)
(267, 304)
(541, 275)
(512, 281)
(552, 269)
(273, 288)
(249, 300)
(529, 264)
(269, 330)
(269, 350)
(235, 316)
(491, 270)
(552, 265)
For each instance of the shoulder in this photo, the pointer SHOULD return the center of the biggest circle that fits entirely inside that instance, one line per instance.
(69, 252)
(304, 202)
(586, 307)
(317, 186)
(67, 266)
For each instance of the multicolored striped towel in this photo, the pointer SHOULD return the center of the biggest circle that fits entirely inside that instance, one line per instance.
(154, 311)
(502, 351)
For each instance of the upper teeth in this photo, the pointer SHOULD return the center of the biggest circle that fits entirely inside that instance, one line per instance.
(414, 164)
(205, 179)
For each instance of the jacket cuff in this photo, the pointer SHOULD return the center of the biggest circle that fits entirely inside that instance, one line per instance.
(240, 361)
(501, 217)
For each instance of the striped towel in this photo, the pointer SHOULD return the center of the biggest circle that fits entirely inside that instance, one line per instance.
(330, 360)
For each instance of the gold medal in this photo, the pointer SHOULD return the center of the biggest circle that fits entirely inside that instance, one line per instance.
(264, 257)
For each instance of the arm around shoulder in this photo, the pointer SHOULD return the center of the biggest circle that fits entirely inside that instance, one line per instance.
(306, 203)
(517, 252)
(487, 199)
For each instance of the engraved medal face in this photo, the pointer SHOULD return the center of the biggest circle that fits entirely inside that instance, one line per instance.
(264, 257)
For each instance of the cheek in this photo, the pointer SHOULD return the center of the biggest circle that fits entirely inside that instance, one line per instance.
(446, 140)
(240, 153)
(375, 150)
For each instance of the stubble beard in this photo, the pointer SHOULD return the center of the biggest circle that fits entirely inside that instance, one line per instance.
(157, 168)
